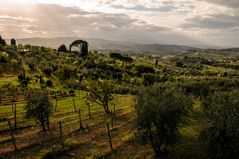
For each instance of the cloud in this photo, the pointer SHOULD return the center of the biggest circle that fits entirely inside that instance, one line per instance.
(227, 3)
(49, 20)
(215, 21)
(166, 8)
(152, 21)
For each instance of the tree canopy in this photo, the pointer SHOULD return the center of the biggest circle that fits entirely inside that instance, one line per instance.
(62, 48)
(2, 41)
(221, 129)
(38, 106)
(160, 113)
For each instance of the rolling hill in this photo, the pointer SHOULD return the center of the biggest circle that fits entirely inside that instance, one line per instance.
(108, 45)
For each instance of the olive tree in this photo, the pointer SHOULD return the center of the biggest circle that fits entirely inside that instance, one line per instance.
(39, 107)
(221, 127)
(160, 113)
(101, 93)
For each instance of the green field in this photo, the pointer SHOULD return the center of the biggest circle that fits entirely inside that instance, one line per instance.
(92, 142)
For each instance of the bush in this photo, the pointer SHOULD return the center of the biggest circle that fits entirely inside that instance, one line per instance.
(39, 106)
(49, 83)
(144, 69)
(221, 131)
(62, 48)
(48, 71)
(160, 113)
(4, 57)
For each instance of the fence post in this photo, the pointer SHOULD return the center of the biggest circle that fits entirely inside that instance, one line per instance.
(110, 143)
(81, 125)
(88, 104)
(79, 93)
(112, 119)
(74, 104)
(12, 136)
(61, 135)
(56, 104)
(15, 116)
(114, 109)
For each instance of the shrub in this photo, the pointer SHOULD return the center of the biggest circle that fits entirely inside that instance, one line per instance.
(49, 83)
(4, 57)
(39, 106)
(221, 131)
(160, 113)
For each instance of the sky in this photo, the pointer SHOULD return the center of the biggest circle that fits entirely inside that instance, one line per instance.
(184, 22)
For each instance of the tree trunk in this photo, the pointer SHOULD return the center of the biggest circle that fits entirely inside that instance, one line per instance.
(48, 123)
(106, 106)
(43, 126)
(89, 110)
(151, 139)
(56, 105)
(15, 116)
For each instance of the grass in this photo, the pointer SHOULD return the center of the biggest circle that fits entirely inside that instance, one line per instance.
(92, 142)
(32, 139)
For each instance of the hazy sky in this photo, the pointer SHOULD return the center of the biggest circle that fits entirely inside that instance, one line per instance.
(203, 22)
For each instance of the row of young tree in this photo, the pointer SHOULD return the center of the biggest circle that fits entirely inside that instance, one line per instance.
(161, 111)
(40, 107)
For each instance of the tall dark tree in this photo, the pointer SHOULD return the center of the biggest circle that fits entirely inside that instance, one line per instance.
(2, 41)
(62, 48)
(13, 42)
(160, 113)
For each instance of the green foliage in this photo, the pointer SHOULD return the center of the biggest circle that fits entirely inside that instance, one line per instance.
(149, 79)
(23, 80)
(179, 64)
(39, 107)
(221, 132)
(144, 69)
(4, 57)
(120, 57)
(48, 71)
(198, 89)
(116, 55)
(62, 48)
(49, 83)
(13, 42)
(2, 41)
(101, 93)
(160, 113)
(66, 73)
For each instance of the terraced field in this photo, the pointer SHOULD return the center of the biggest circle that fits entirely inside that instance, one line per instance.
(92, 142)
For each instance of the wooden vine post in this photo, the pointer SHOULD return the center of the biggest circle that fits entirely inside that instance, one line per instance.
(56, 103)
(88, 104)
(80, 121)
(109, 136)
(12, 136)
(114, 110)
(74, 103)
(112, 119)
(15, 116)
(61, 135)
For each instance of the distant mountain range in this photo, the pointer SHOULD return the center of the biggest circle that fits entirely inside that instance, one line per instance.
(107, 45)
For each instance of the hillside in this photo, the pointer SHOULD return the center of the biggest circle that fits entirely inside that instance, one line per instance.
(108, 45)
(75, 85)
